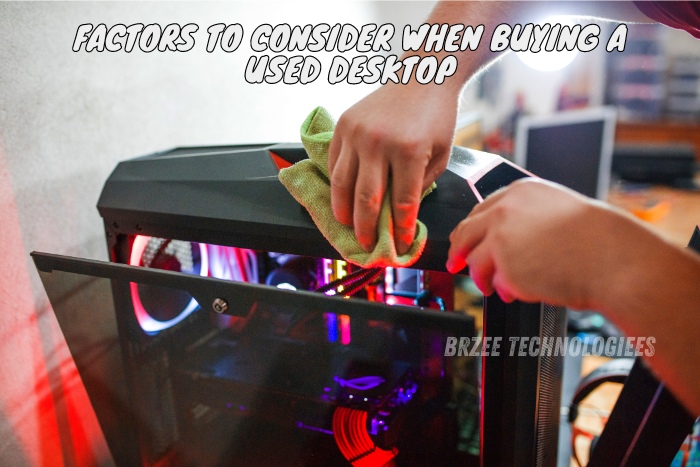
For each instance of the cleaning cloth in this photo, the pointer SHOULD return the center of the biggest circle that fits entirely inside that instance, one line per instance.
(308, 182)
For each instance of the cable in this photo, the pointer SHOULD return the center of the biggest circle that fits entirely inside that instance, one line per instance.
(352, 283)
(350, 432)
(361, 284)
(352, 277)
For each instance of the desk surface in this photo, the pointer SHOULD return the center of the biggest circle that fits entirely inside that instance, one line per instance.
(673, 213)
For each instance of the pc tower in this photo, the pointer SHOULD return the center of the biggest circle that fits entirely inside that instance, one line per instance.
(212, 338)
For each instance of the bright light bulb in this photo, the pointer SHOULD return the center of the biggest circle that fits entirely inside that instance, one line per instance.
(549, 61)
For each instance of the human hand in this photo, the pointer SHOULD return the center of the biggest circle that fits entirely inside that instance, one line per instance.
(537, 241)
(402, 131)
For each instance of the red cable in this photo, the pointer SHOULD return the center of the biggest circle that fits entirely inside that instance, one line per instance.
(350, 432)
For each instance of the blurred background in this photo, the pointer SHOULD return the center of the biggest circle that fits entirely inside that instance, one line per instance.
(67, 118)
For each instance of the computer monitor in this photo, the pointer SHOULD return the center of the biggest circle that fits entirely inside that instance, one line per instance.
(572, 148)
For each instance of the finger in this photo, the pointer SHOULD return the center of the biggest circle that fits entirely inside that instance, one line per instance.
(334, 152)
(455, 263)
(481, 268)
(406, 190)
(463, 239)
(342, 181)
(335, 148)
(501, 287)
(435, 168)
(370, 186)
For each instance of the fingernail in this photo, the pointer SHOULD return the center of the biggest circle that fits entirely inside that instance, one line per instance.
(402, 248)
(368, 247)
(455, 265)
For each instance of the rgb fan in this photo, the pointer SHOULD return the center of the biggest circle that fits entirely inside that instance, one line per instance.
(159, 308)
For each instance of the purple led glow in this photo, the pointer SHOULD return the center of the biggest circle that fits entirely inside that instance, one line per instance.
(313, 428)
(361, 384)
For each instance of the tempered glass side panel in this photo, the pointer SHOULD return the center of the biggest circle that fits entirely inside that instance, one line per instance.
(85, 311)
(277, 377)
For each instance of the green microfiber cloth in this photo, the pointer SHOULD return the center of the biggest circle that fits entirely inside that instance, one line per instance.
(308, 182)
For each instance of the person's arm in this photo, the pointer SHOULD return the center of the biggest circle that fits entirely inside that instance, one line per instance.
(537, 241)
(404, 132)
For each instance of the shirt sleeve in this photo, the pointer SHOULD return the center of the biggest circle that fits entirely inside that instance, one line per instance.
(678, 15)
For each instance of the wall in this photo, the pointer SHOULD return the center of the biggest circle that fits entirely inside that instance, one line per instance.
(587, 73)
(66, 119)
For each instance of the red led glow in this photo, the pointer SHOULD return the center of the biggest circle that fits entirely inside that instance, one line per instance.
(350, 432)
(344, 321)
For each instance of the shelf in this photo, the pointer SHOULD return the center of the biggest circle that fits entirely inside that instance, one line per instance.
(659, 132)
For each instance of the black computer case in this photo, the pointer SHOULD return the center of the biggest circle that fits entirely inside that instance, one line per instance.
(243, 377)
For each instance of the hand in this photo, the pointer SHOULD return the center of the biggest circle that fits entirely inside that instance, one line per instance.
(537, 241)
(400, 131)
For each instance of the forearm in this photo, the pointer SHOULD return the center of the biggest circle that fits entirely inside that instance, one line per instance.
(490, 14)
(620, 11)
(536, 241)
(653, 289)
